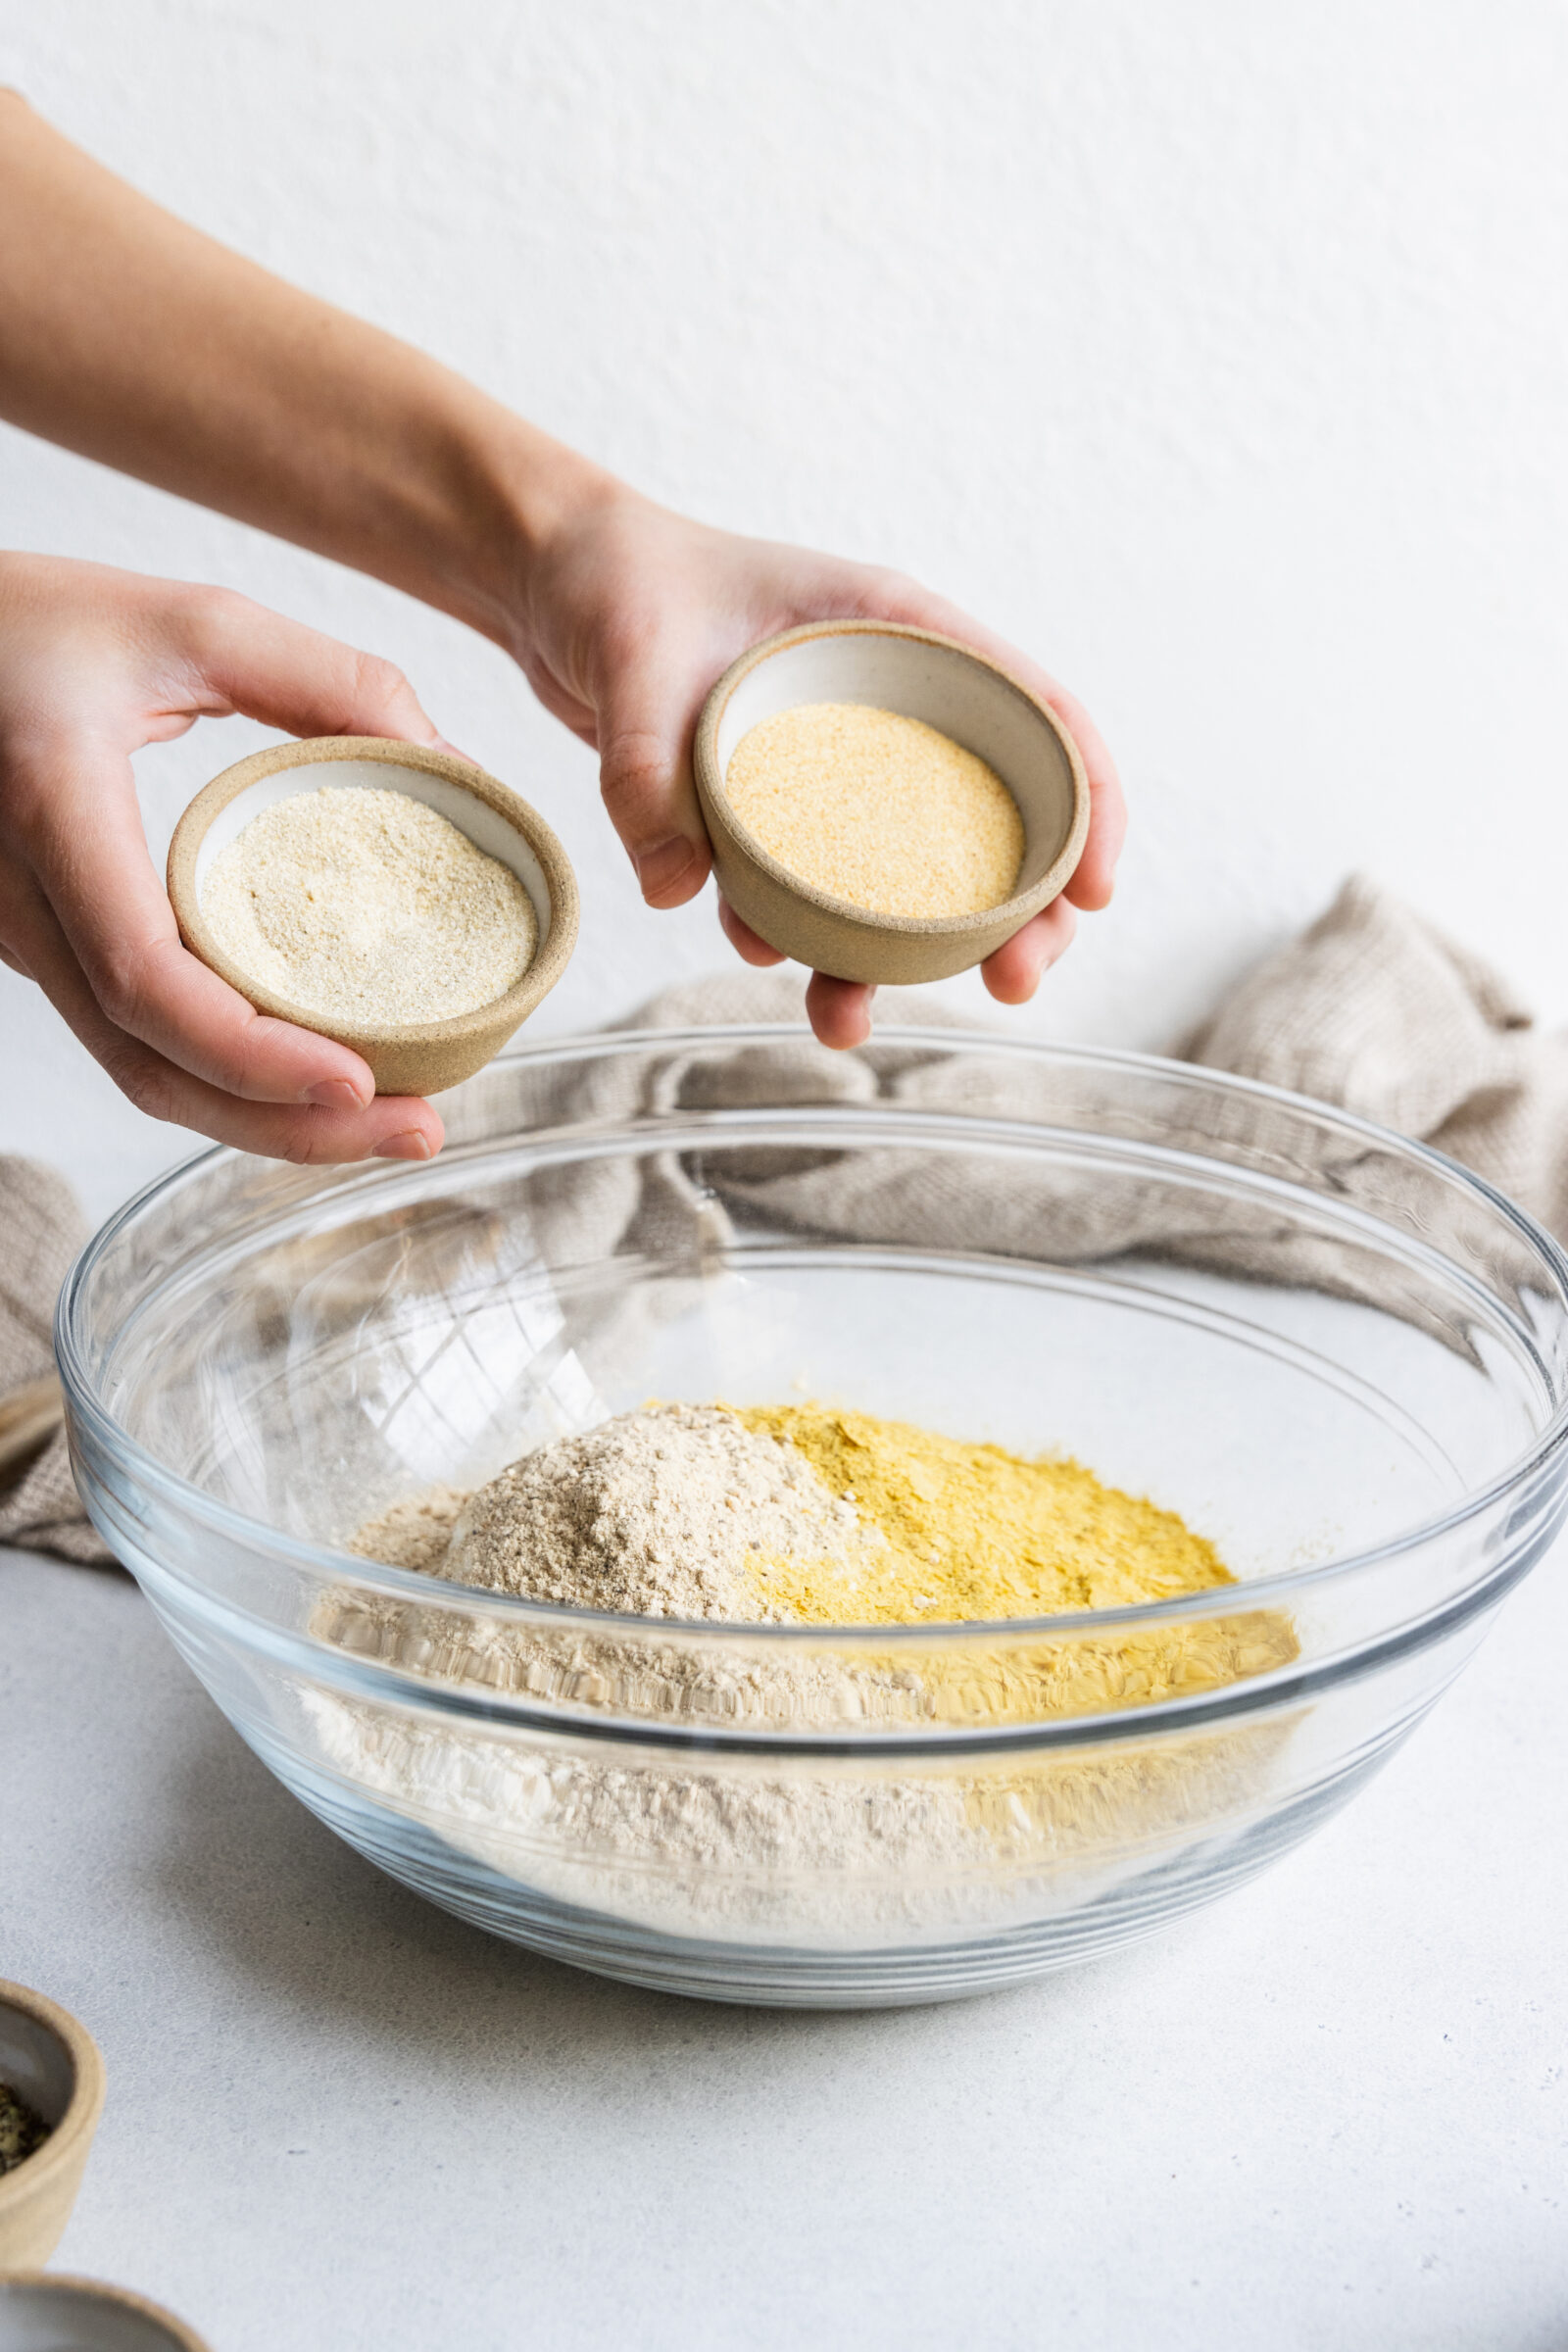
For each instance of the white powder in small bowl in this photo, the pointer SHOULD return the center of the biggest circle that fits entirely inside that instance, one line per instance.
(369, 909)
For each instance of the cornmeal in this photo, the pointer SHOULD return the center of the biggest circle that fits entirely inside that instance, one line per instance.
(877, 809)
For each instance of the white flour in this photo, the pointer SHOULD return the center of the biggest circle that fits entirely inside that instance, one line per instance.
(743, 1853)
(369, 908)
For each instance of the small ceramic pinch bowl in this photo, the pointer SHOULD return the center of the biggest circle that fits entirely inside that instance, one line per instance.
(421, 1057)
(920, 676)
(54, 2064)
(43, 2314)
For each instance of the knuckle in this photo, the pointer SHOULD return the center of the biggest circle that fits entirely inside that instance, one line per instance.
(128, 980)
(883, 587)
(143, 1080)
(379, 683)
(210, 618)
(628, 633)
(303, 1140)
(120, 984)
(632, 769)
(115, 985)
(38, 764)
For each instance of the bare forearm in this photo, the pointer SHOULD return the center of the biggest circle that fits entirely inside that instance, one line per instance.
(131, 337)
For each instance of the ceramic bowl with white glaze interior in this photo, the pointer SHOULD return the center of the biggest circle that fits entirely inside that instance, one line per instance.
(423, 1058)
(949, 686)
(51, 2061)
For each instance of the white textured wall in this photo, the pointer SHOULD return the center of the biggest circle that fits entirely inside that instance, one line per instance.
(1213, 351)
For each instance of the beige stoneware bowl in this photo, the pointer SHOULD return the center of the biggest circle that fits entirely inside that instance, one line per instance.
(406, 1057)
(920, 676)
(52, 2062)
(43, 2314)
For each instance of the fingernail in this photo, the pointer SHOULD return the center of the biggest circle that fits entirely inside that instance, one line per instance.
(659, 870)
(337, 1094)
(411, 1144)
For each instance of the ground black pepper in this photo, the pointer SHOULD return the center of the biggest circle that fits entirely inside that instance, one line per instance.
(22, 2129)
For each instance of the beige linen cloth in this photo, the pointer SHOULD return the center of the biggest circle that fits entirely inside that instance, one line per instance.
(1371, 1009)
(43, 1230)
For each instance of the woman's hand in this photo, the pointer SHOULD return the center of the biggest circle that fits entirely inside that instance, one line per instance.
(630, 615)
(93, 664)
(136, 340)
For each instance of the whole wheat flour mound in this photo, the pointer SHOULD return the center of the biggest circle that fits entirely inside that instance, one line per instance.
(656, 1513)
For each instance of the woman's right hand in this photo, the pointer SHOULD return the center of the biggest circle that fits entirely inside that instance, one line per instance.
(630, 616)
(95, 664)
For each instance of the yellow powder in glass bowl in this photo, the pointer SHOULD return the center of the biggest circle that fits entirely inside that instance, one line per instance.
(970, 1529)
(877, 809)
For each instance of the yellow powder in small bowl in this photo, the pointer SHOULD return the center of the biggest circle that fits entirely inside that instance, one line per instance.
(878, 808)
(370, 909)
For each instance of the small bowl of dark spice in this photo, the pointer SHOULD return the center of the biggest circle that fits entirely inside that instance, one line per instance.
(886, 804)
(22, 2131)
(396, 899)
(51, 2095)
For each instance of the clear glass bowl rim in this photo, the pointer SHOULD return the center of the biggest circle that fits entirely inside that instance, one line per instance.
(339, 1568)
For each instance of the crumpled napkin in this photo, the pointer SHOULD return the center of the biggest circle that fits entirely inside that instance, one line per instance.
(43, 1229)
(1372, 1010)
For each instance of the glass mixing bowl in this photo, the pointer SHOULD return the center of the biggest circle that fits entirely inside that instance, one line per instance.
(1336, 1354)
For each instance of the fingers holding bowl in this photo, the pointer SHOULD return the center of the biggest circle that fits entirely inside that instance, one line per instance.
(947, 689)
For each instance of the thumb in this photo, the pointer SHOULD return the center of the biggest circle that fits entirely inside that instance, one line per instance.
(645, 775)
(275, 669)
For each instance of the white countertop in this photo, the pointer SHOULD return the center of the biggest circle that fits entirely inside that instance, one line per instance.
(1333, 2111)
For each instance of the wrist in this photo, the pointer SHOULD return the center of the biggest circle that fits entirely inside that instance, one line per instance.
(531, 497)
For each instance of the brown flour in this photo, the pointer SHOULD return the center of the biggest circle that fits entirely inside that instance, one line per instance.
(655, 1514)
